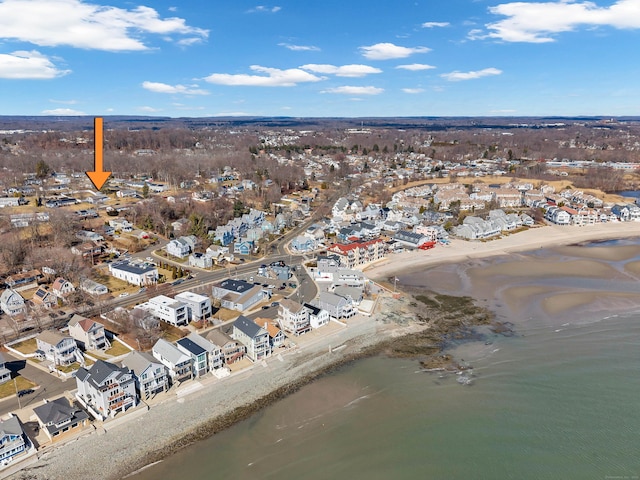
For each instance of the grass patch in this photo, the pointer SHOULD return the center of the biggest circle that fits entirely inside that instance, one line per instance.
(117, 349)
(9, 388)
(171, 333)
(68, 368)
(27, 346)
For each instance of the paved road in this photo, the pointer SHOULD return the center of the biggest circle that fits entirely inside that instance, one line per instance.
(49, 385)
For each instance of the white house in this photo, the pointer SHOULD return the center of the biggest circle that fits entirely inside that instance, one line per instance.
(61, 287)
(238, 294)
(177, 363)
(57, 348)
(106, 389)
(318, 317)
(93, 288)
(167, 309)
(181, 247)
(215, 358)
(13, 440)
(12, 302)
(293, 317)
(133, 273)
(198, 306)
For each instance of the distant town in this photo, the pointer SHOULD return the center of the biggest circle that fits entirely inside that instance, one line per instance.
(219, 245)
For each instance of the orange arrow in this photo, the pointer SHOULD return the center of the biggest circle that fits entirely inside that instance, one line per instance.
(98, 176)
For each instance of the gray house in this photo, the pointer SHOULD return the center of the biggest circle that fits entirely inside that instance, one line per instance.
(59, 416)
(253, 337)
(150, 375)
(337, 306)
(238, 294)
(214, 352)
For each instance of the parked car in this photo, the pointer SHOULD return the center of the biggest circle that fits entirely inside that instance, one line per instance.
(275, 304)
(124, 294)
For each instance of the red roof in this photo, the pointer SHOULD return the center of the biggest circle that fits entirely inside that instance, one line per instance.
(352, 246)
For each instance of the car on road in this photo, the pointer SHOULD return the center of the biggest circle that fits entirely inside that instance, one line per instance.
(177, 282)
(275, 304)
(22, 393)
(124, 294)
(264, 307)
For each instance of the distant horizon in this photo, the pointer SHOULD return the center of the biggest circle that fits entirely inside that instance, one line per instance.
(412, 58)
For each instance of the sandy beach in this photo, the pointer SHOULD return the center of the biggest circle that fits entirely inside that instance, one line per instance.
(216, 404)
(534, 238)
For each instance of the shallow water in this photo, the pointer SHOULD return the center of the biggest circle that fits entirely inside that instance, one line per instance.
(558, 400)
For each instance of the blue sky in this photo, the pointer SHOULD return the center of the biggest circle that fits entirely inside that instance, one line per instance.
(348, 58)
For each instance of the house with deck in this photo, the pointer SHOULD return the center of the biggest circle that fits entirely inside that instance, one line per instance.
(177, 362)
(149, 373)
(198, 355)
(58, 348)
(337, 306)
(318, 317)
(106, 389)
(87, 333)
(5, 373)
(293, 317)
(253, 337)
(198, 306)
(276, 336)
(215, 359)
(232, 350)
(13, 439)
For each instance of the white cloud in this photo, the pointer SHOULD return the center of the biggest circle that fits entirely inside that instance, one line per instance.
(413, 90)
(28, 65)
(62, 111)
(435, 24)
(264, 9)
(158, 87)
(273, 77)
(148, 109)
(388, 51)
(342, 71)
(299, 48)
(537, 22)
(458, 76)
(85, 25)
(350, 90)
(416, 66)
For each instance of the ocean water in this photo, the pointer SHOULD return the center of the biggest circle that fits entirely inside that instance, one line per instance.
(559, 400)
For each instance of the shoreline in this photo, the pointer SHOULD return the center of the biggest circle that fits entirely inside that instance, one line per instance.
(525, 241)
(178, 423)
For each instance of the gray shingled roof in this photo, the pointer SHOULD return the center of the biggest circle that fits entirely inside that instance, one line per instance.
(247, 326)
(101, 370)
(55, 411)
(138, 362)
(170, 352)
(10, 426)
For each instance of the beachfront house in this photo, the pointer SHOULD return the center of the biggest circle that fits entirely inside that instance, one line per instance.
(177, 362)
(59, 418)
(232, 350)
(215, 358)
(87, 333)
(337, 306)
(106, 389)
(13, 440)
(198, 355)
(150, 375)
(293, 317)
(276, 336)
(318, 317)
(253, 337)
(167, 309)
